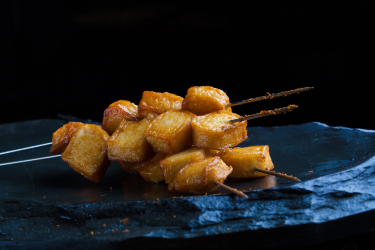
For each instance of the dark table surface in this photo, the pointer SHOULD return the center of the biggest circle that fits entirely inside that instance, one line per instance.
(46, 202)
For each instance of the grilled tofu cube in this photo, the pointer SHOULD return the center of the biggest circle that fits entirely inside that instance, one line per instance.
(128, 167)
(215, 131)
(215, 152)
(128, 143)
(198, 177)
(86, 152)
(150, 170)
(62, 136)
(116, 112)
(205, 99)
(173, 163)
(170, 132)
(243, 161)
(156, 103)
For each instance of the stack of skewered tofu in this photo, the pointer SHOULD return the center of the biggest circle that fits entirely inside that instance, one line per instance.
(188, 143)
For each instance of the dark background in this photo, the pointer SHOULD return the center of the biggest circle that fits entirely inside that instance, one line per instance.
(77, 57)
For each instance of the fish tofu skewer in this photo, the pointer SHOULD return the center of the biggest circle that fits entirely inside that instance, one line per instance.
(170, 132)
(62, 136)
(128, 143)
(86, 152)
(244, 160)
(172, 164)
(199, 177)
(155, 103)
(215, 131)
(205, 99)
(116, 112)
(127, 166)
(176, 127)
(150, 170)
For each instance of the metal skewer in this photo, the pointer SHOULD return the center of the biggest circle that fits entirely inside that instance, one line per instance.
(20, 149)
(28, 160)
(35, 159)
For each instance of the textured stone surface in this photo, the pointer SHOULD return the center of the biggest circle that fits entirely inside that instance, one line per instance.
(47, 201)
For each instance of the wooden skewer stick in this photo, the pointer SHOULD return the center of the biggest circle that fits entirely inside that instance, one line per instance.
(266, 113)
(285, 176)
(270, 96)
(234, 190)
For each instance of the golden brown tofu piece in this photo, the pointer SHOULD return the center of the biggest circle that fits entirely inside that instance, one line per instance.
(205, 99)
(170, 132)
(173, 163)
(62, 136)
(150, 170)
(215, 152)
(128, 143)
(158, 103)
(198, 177)
(116, 112)
(215, 131)
(87, 152)
(243, 161)
(128, 167)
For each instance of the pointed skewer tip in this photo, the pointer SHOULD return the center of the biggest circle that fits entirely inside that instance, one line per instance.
(281, 175)
(270, 96)
(234, 190)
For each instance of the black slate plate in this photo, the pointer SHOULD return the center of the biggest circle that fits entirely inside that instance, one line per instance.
(47, 201)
